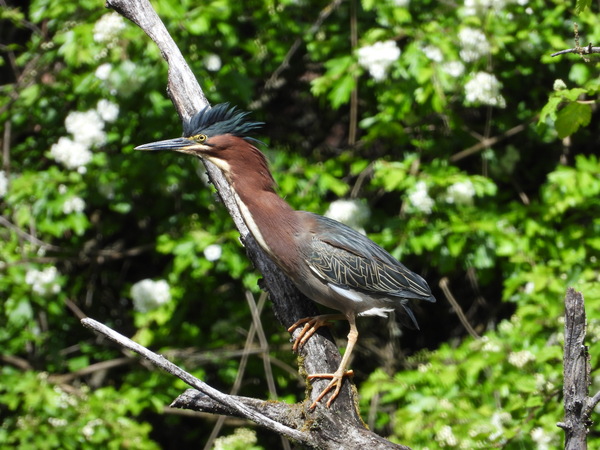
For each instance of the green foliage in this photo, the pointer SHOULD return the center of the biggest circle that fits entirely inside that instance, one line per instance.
(44, 415)
(460, 182)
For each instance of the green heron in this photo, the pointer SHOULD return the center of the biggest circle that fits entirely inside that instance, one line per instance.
(328, 261)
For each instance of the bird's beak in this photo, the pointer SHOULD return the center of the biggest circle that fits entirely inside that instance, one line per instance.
(178, 144)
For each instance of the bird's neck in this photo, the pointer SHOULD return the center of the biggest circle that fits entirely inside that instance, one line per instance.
(272, 222)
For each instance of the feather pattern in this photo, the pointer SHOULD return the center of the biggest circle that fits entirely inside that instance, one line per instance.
(343, 257)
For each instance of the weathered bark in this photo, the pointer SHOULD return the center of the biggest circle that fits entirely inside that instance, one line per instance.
(337, 427)
(576, 360)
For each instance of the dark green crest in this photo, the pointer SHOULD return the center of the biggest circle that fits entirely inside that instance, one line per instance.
(220, 119)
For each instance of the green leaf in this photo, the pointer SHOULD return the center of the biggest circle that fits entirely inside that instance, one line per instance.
(581, 5)
(571, 118)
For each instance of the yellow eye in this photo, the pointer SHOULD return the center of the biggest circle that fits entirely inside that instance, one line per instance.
(199, 138)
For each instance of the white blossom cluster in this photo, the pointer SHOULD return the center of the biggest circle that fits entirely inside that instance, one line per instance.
(149, 294)
(213, 252)
(445, 436)
(71, 154)
(520, 359)
(484, 89)
(497, 421)
(419, 198)
(481, 7)
(108, 27)
(86, 127)
(241, 438)
(378, 58)
(43, 282)
(454, 68)
(3, 183)
(473, 44)
(542, 438)
(103, 71)
(461, 193)
(212, 62)
(87, 130)
(107, 110)
(353, 213)
(401, 3)
(433, 53)
(73, 205)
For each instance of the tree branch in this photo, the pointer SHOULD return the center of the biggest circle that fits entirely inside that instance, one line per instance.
(578, 407)
(229, 403)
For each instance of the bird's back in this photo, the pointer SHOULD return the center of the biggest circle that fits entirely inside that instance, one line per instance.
(357, 270)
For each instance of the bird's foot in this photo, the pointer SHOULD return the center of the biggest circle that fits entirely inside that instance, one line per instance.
(311, 325)
(337, 379)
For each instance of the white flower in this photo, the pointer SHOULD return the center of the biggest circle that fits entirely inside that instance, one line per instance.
(3, 183)
(108, 27)
(474, 7)
(497, 421)
(474, 44)
(491, 347)
(484, 88)
(529, 287)
(241, 438)
(401, 3)
(88, 429)
(419, 199)
(353, 213)
(107, 110)
(213, 252)
(559, 85)
(73, 204)
(43, 282)
(520, 359)
(454, 68)
(148, 294)
(541, 438)
(212, 62)
(73, 155)
(446, 437)
(377, 58)
(433, 53)
(56, 422)
(103, 71)
(461, 193)
(87, 127)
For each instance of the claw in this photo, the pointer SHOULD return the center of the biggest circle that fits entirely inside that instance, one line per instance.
(311, 325)
(336, 382)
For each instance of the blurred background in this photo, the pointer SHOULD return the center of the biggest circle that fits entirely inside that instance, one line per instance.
(443, 130)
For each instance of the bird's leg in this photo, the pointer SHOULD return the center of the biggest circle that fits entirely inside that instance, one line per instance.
(311, 325)
(337, 378)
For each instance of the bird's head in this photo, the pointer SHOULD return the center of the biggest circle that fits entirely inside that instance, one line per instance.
(221, 135)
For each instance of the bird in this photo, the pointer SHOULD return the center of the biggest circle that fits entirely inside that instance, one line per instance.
(329, 262)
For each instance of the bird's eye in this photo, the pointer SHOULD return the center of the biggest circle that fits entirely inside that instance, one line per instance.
(200, 138)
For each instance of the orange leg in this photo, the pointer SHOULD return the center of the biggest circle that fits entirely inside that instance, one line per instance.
(337, 378)
(311, 325)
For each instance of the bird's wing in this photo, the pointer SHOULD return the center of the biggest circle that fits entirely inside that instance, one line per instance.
(346, 258)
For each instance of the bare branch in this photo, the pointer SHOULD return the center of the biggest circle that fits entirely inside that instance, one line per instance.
(444, 285)
(225, 401)
(576, 374)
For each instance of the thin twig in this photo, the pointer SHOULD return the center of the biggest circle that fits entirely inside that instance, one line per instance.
(459, 312)
(579, 50)
(194, 382)
(236, 384)
(488, 142)
(255, 310)
(92, 368)
(28, 237)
